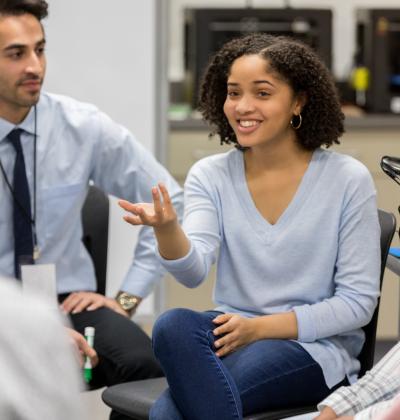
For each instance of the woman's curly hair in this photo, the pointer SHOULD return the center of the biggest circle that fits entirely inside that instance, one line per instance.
(299, 66)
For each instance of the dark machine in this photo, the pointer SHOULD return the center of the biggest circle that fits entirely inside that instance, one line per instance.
(378, 49)
(391, 166)
(206, 30)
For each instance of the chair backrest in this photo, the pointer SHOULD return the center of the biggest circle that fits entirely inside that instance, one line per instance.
(387, 223)
(95, 216)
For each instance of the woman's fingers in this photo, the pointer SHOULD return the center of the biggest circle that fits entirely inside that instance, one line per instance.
(220, 319)
(224, 325)
(224, 351)
(133, 220)
(165, 195)
(141, 214)
(157, 213)
(158, 208)
(170, 213)
(126, 205)
(227, 334)
(225, 345)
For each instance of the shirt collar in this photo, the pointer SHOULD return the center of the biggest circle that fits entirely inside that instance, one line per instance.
(28, 125)
(5, 128)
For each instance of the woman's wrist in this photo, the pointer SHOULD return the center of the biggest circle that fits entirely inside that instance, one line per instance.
(173, 244)
(279, 326)
(167, 229)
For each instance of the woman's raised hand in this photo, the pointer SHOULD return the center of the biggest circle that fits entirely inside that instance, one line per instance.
(159, 214)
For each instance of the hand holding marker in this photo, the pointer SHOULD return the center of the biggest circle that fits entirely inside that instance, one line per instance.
(87, 367)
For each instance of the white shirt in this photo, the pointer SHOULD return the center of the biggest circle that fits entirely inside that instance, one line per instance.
(77, 143)
(372, 394)
(39, 375)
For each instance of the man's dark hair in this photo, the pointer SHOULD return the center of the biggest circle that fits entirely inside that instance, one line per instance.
(37, 8)
(298, 65)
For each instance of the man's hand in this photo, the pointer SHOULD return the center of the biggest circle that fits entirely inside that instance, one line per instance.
(327, 414)
(83, 348)
(80, 301)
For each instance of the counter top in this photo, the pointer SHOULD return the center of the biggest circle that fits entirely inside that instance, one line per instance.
(367, 122)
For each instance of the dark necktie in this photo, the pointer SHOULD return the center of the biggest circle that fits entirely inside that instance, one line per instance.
(22, 216)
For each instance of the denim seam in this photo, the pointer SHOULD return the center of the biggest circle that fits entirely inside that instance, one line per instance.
(223, 373)
(280, 376)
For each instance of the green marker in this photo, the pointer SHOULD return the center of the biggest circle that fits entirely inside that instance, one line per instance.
(87, 367)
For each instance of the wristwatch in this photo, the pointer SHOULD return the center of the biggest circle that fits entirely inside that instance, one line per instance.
(128, 302)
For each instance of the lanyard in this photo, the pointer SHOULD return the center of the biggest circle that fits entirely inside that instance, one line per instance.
(32, 219)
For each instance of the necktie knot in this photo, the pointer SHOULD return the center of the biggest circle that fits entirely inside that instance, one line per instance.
(15, 139)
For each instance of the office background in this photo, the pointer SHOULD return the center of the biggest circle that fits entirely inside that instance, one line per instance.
(343, 25)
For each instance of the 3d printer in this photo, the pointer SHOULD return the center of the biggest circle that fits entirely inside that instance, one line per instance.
(206, 30)
(378, 43)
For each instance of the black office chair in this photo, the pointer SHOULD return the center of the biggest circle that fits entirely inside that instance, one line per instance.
(134, 399)
(95, 214)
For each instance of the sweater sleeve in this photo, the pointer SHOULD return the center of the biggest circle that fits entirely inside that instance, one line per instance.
(201, 224)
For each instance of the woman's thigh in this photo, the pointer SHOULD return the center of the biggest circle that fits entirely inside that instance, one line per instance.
(274, 374)
(264, 375)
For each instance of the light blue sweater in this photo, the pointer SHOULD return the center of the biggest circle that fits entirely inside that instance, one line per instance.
(321, 259)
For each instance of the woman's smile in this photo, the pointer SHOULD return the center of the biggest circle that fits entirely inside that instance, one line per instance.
(248, 126)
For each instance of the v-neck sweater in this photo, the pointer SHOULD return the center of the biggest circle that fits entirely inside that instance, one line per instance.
(321, 259)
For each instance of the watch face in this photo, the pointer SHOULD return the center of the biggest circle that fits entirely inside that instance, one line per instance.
(127, 301)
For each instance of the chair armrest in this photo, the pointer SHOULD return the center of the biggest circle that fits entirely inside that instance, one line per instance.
(393, 264)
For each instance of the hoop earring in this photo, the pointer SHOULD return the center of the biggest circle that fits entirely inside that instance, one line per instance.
(296, 127)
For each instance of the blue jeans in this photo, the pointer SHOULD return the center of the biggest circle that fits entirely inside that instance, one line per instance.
(263, 375)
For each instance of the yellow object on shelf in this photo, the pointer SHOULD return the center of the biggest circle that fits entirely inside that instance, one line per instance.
(360, 83)
(360, 78)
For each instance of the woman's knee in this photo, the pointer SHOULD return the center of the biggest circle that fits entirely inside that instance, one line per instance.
(173, 326)
(164, 408)
(171, 323)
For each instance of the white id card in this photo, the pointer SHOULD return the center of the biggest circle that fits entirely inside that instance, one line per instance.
(40, 280)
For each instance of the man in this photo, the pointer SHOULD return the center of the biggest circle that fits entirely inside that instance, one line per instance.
(34, 354)
(50, 148)
(373, 397)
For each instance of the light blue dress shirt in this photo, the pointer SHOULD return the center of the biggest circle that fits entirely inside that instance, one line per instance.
(321, 259)
(76, 143)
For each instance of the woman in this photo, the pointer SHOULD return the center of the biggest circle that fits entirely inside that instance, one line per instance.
(294, 230)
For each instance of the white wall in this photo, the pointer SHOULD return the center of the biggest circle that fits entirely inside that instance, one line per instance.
(343, 26)
(104, 52)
